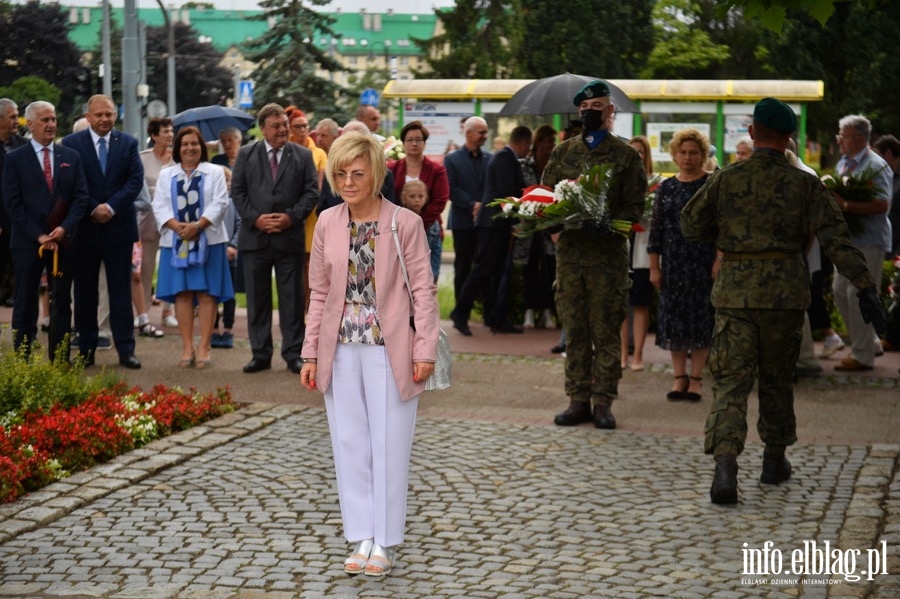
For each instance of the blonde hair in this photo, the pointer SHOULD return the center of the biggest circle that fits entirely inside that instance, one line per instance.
(648, 156)
(408, 188)
(693, 135)
(350, 146)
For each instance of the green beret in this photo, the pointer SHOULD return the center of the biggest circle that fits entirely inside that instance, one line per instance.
(594, 89)
(775, 115)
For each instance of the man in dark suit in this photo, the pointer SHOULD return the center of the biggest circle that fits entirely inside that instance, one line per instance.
(45, 196)
(274, 188)
(466, 168)
(115, 177)
(9, 141)
(504, 179)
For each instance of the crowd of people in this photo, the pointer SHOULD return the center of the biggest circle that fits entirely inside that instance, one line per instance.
(728, 250)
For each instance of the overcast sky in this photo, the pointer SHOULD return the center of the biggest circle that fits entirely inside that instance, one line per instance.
(400, 6)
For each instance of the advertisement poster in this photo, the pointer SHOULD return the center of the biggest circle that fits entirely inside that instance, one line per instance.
(660, 135)
(442, 119)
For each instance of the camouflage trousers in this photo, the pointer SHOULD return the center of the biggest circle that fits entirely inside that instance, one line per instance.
(592, 302)
(751, 344)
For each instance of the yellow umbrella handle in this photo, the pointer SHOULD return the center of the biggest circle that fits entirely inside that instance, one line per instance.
(56, 272)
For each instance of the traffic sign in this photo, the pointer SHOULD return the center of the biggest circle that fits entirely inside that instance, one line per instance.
(369, 97)
(246, 96)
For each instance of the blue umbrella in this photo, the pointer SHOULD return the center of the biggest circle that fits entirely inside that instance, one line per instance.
(212, 119)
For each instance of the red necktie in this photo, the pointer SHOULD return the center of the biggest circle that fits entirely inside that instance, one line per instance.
(273, 164)
(48, 172)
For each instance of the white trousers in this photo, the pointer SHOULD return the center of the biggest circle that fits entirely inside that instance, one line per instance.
(371, 436)
(863, 339)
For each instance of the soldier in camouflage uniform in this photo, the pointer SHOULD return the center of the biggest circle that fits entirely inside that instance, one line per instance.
(761, 213)
(592, 262)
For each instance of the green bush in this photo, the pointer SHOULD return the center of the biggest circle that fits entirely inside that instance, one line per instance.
(30, 382)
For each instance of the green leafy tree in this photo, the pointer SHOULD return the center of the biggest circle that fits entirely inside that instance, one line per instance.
(481, 40)
(29, 89)
(288, 58)
(772, 13)
(684, 48)
(200, 80)
(36, 42)
(614, 45)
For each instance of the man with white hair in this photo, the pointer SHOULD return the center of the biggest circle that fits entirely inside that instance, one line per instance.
(870, 231)
(327, 131)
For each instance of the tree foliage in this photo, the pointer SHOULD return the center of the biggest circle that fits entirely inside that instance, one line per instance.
(684, 47)
(30, 88)
(480, 40)
(36, 42)
(772, 13)
(200, 79)
(615, 44)
(288, 58)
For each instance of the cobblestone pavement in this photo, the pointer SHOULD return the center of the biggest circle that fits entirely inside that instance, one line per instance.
(244, 507)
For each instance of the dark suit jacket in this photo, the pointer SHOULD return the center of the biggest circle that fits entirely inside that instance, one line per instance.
(32, 209)
(466, 186)
(119, 188)
(294, 192)
(504, 179)
(14, 142)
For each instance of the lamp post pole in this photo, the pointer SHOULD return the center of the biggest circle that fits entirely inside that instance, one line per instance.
(170, 58)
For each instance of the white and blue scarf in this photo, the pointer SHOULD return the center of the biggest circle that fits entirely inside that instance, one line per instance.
(187, 204)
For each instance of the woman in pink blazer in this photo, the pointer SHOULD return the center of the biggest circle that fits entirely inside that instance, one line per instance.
(361, 350)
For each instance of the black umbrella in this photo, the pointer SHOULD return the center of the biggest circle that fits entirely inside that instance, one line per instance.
(553, 95)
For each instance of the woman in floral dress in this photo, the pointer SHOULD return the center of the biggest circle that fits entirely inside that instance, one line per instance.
(681, 270)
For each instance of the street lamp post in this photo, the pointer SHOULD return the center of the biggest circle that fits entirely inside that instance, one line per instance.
(170, 59)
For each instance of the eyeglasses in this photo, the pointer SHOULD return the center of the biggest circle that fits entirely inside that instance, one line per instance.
(841, 136)
(357, 177)
(414, 140)
(300, 126)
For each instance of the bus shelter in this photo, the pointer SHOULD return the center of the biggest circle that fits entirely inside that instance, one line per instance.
(720, 108)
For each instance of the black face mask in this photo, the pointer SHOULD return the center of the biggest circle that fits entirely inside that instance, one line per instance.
(592, 119)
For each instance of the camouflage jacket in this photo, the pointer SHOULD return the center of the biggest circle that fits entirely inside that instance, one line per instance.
(625, 199)
(762, 213)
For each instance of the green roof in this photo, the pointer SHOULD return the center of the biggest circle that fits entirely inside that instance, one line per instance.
(359, 32)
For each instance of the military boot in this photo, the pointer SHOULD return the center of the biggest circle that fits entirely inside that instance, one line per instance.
(775, 467)
(603, 417)
(578, 412)
(724, 486)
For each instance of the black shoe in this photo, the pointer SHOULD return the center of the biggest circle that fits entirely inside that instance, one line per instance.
(724, 488)
(578, 412)
(775, 469)
(603, 417)
(507, 328)
(460, 324)
(257, 365)
(129, 361)
(558, 348)
(295, 365)
(87, 358)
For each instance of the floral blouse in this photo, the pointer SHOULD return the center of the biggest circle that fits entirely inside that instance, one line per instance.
(360, 321)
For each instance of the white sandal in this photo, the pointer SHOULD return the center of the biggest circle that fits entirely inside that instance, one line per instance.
(381, 561)
(356, 563)
(148, 330)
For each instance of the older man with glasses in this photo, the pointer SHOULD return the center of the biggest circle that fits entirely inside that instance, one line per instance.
(872, 237)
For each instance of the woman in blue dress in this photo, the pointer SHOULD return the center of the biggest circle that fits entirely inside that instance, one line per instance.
(189, 204)
(682, 270)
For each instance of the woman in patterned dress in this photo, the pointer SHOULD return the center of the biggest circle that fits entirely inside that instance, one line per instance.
(682, 271)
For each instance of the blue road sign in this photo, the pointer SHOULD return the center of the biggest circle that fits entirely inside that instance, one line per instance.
(246, 96)
(369, 97)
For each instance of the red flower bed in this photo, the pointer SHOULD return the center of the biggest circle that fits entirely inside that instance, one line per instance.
(47, 445)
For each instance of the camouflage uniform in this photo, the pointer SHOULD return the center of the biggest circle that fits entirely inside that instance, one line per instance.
(592, 268)
(761, 213)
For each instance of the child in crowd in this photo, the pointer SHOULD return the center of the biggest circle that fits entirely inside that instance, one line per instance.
(414, 196)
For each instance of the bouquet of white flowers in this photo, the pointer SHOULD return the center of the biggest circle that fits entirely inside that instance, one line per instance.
(393, 149)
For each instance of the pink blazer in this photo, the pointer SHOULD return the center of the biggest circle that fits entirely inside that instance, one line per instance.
(328, 268)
